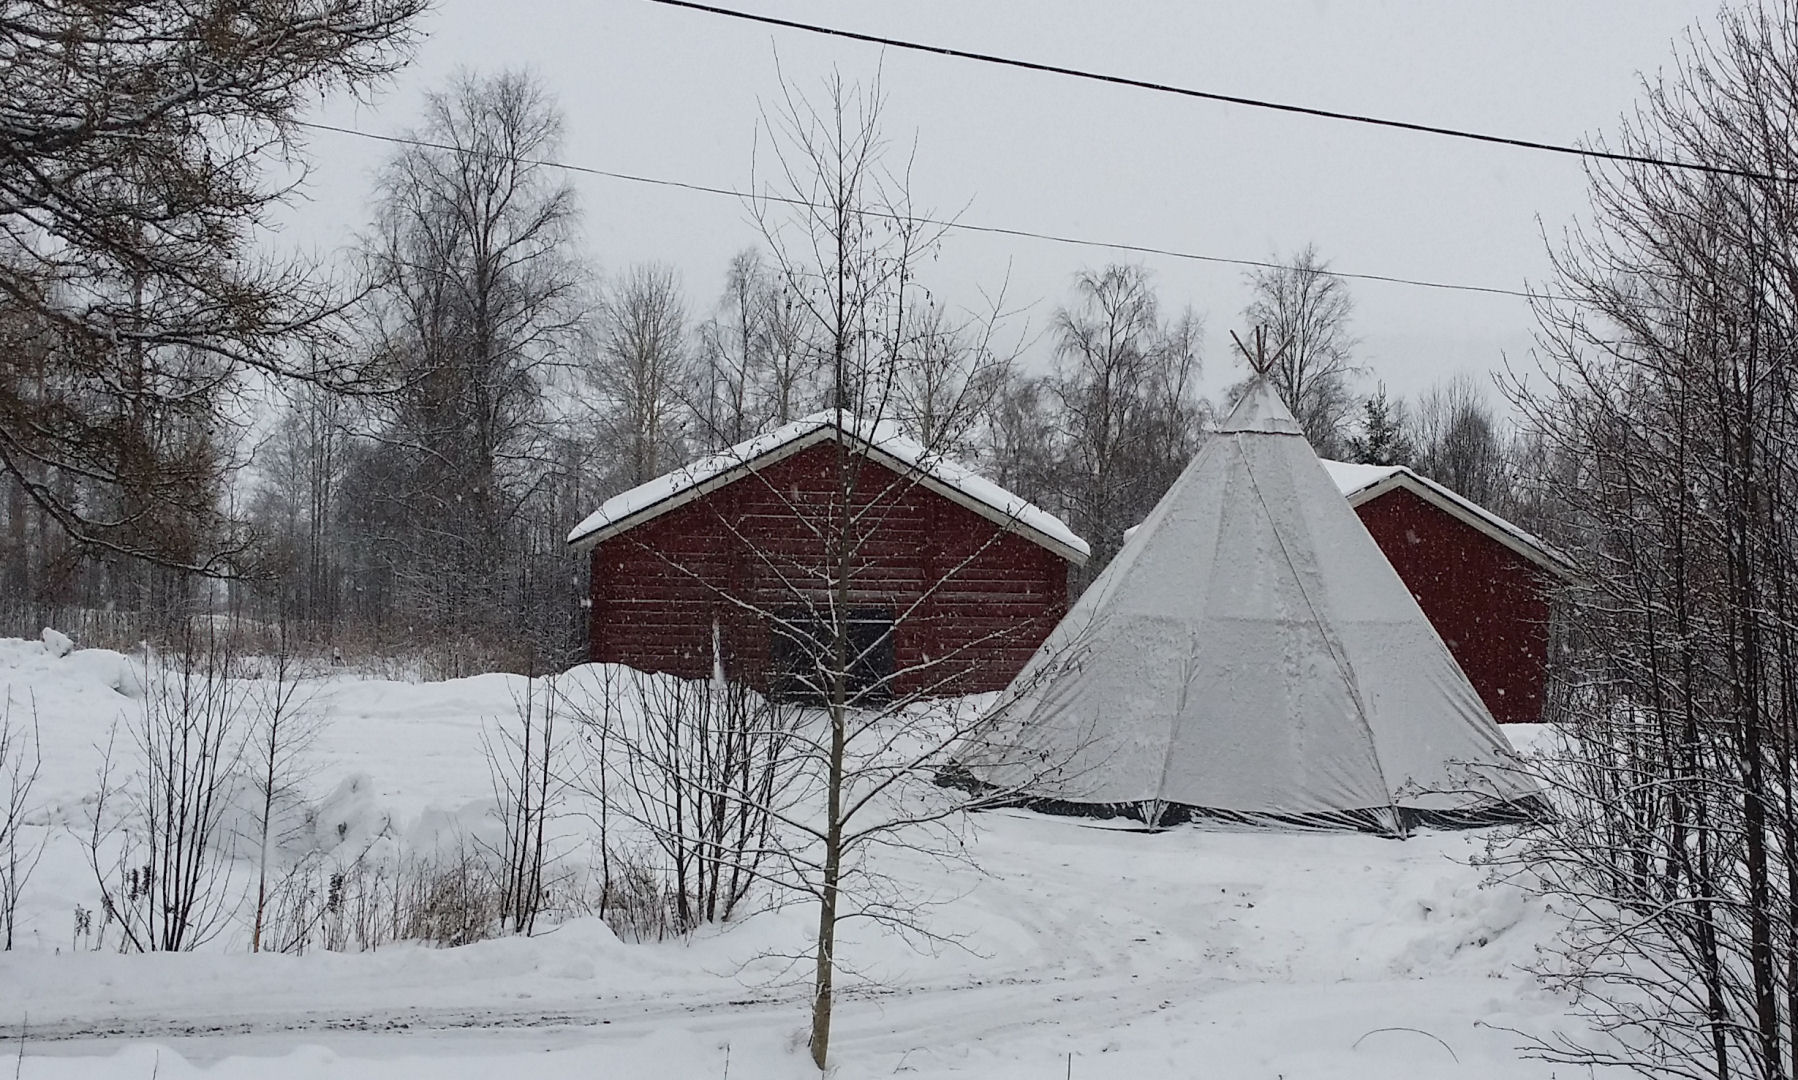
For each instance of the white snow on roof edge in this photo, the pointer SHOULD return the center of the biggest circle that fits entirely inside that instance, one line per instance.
(1351, 478)
(883, 437)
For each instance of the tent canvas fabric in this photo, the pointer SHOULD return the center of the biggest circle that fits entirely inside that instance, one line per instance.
(1250, 653)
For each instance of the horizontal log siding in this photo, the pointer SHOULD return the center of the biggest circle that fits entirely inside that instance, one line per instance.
(1488, 604)
(973, 601)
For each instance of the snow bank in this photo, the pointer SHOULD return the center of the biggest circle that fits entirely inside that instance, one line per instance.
(57, 643)
(1058, 947)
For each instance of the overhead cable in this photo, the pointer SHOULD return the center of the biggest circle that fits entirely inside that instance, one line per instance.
(1229, 99)
(952, 224)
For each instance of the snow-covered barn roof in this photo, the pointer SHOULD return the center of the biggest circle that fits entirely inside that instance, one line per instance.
(881, 441)
(1362, 483)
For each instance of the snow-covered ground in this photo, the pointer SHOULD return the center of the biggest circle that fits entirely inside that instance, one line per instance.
(1076, 949)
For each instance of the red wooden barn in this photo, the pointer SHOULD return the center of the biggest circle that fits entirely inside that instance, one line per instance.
(725, 564)
(1483, 582)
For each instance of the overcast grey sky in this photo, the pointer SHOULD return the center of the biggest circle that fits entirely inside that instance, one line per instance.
(668, 93)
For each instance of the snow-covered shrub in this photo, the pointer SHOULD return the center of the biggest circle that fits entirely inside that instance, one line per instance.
(703, 770)
(525, 763)
(20, 763)
(450, 901)
(159, 847)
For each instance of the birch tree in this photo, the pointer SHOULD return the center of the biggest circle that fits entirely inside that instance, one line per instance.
(842, 765)
(1458, 441)
(642, 371)
(1306, 311)
(1126, 404)
(476, 305)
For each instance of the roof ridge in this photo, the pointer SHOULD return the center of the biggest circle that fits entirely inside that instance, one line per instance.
(880, 435)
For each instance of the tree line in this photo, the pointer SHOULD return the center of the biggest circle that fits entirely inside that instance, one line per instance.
(405, 469)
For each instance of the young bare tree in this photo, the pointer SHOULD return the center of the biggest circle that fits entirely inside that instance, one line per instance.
(847, 247)
(859, 669)
(21, 759)
(135, 192)
(1305, 310)
(283, 730)
(848, 257)
(705, 768)
(525, 763)
(1668, 405)
(158, 844)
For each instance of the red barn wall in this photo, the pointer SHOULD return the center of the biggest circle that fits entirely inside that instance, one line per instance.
(727, 557)
(1488, 604)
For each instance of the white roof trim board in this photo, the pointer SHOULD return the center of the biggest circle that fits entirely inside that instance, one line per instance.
(1250, 652)
(883, 444)
(1364, 483)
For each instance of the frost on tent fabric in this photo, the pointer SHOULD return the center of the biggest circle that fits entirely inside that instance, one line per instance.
(1251, 654)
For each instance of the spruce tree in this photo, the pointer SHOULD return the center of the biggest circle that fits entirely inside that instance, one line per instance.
(1382, 439)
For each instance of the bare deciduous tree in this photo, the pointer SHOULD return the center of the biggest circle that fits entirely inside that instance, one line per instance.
(1305, 310)
(1126, 403)
(475, 303)
(755, 368)
(295, 504)
(1668, 404)
(283, 730)
(1019, 439)
(158, 845)
(21, 759)
(947, 374)
(733, 350)
(1456, 441)
(706, 768)
(526, 767)
(847, 248)
(640, 371)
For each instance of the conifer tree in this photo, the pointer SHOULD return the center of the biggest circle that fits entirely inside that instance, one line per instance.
(1382, 439)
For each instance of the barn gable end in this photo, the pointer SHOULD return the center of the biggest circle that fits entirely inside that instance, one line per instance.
(1484, 582)
(709, 576)
(1487, 602)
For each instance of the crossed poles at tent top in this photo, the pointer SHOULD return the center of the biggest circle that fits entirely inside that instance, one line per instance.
(1259, 361)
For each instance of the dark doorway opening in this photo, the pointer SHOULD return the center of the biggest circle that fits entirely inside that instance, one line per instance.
(802, 648)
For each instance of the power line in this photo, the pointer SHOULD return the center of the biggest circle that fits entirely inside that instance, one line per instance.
(1228, 99)
(957, 225)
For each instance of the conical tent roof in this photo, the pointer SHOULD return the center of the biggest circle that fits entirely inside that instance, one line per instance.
(1250, 651)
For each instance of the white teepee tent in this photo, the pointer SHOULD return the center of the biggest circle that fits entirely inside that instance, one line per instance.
(1251, 653)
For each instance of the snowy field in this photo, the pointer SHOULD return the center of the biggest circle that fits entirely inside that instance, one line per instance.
(1078, 950)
